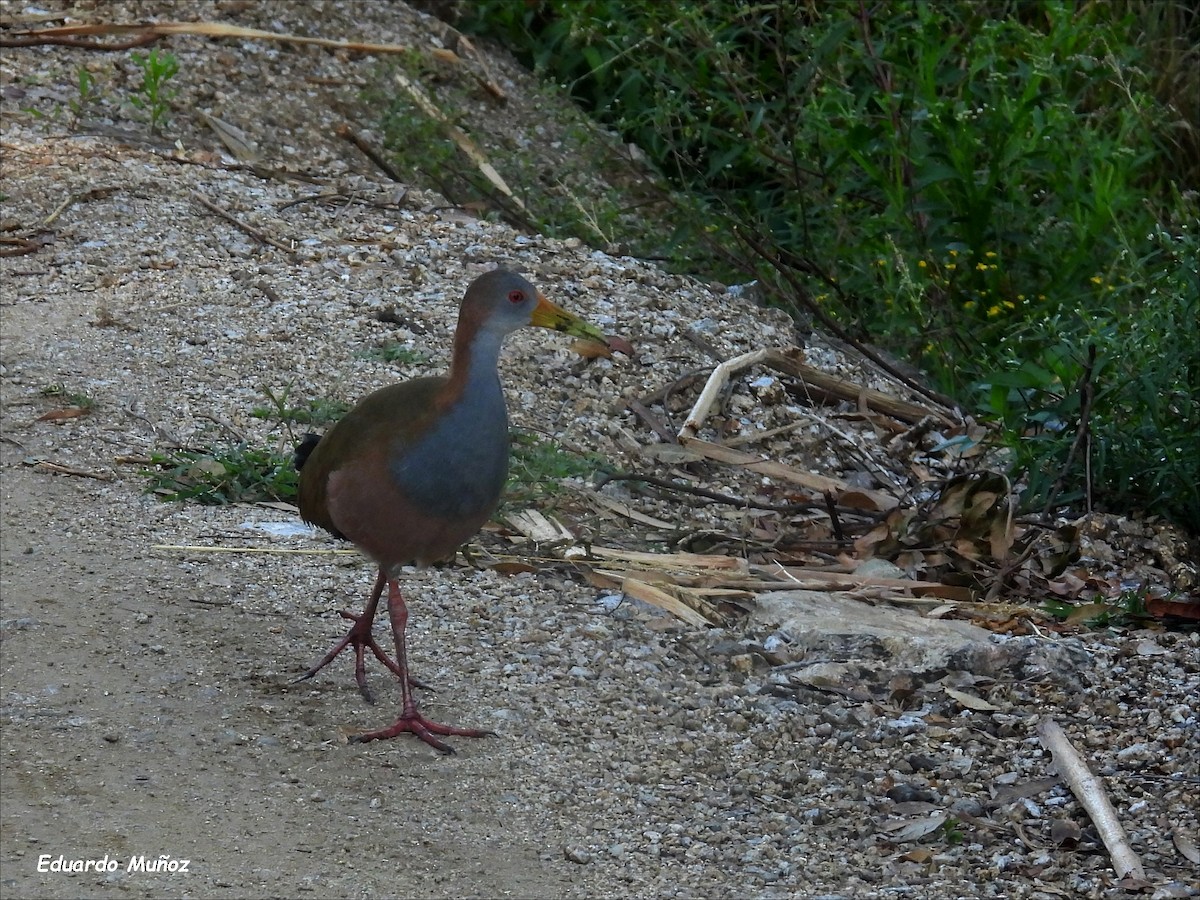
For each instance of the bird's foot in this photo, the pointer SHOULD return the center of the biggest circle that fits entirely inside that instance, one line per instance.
(360, 637)
(415, 723)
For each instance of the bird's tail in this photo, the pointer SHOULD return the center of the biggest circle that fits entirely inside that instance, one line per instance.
(304, 449)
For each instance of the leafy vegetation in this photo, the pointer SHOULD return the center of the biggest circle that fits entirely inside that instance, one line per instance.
(236, 473)
(60, 391)
(538, 465)
(314, 412)
(154, 94)
(1002, 192)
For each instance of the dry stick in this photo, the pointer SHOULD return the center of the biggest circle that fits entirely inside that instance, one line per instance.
(207, 29)
(658, 427)
(33, 40)
(18, 246)
(1089, 791)
(249, 229)
(828, 384)
(716, 381)
(343, 131)
(730, 499)
(1087, 391)
(469, 148)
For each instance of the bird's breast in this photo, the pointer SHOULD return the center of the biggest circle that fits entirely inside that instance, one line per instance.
(457, 469)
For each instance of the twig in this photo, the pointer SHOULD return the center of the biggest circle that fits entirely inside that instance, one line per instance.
(71, 470)
(742, 502)
(18, 246)
(249, 229)
(34, 39)
(716, 381)
(204, 29)
(1089, 791)
(783, 267)
(831, 507)
(1087, 392)
(345, 132)
(193, 548)
(656, 425)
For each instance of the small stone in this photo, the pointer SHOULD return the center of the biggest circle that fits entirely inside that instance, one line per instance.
(577, 855)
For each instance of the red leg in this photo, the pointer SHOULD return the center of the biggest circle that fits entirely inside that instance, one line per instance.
(361, 638)
(410, 719)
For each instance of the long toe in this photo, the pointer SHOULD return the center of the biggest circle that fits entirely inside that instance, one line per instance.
(361, 639)
(424, 729)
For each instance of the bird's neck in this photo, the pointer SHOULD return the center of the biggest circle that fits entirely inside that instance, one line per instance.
(474, 366)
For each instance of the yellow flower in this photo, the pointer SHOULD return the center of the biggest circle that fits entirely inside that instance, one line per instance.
(980, 267)
(920, 263)
(993, 311)
(954, 253)
(969, 305)
(991, 254)
(1096, 279)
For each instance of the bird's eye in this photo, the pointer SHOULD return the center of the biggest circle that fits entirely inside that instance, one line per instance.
(515, 297)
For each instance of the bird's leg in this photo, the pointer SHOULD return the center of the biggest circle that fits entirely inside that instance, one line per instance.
(410, 719)
(361, 638)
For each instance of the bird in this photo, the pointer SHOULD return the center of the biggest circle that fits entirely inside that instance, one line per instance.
(416, 468)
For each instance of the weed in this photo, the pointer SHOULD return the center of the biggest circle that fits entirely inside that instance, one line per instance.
(89, 95)
(314, 412)
(951, 833)
(233, 474)
(59, 391)
(153, 96)
(539, 465)
(394, 352)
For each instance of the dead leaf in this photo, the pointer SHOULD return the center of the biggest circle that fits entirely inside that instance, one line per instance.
(903, 831)
(619, 344)
(61, 415)
(1065, 831)
(1163, 608)
(590, 349)
(1186, 846)
(234, 139)
(512, 568)
(970, 701)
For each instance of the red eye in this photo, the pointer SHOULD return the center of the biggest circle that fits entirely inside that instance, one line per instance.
(515, 297)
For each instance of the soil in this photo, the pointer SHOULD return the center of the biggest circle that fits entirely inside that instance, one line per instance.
(150, 649)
